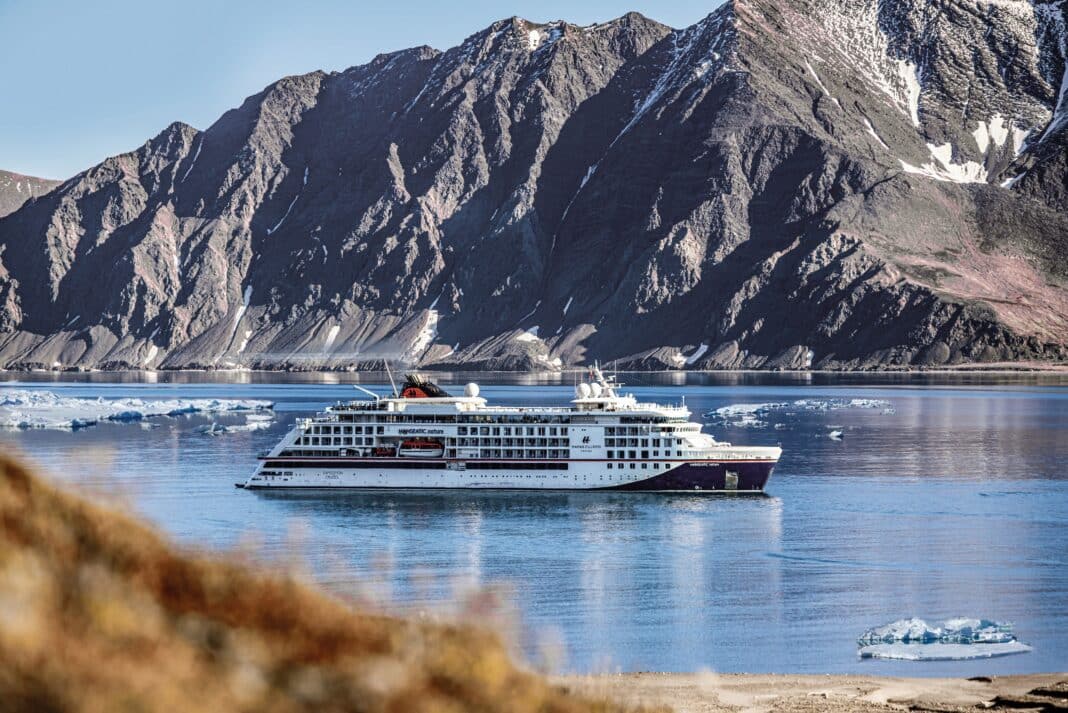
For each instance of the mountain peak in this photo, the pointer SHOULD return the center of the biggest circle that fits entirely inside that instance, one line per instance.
(776, 186)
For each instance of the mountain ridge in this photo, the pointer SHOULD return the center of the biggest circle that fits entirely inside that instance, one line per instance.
(17, 188)
(546, 194)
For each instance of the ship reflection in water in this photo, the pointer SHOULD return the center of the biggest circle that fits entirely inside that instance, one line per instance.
(940, 500)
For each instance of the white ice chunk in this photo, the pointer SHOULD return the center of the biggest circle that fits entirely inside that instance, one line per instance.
(954, 639)
(754, 415)
(253, 422)
(45, 409)
(941, 652)
(568, 305)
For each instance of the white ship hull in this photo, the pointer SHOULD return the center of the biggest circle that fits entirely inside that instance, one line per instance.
(724, 475)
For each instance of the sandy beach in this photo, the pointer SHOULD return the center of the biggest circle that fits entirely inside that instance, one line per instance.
(712, 693)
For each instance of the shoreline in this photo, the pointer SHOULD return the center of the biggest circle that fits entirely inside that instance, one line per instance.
(837, 693)
(1000, 368)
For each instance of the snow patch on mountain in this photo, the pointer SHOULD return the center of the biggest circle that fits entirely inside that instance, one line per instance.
(237, 318)
(697, 354)
(819, 82)
(196, 155)
(291, 204)
(875, 135)
(531, 335)
(331, 336)
(426, 336)
(944, 169)
(909, 75)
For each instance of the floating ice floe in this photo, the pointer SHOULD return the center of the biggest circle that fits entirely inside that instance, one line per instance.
(835, 435)
(253, 422)
(954, 639)
(45, 409)
(755, 415)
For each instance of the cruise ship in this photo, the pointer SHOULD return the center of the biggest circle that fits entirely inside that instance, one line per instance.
(421, 437)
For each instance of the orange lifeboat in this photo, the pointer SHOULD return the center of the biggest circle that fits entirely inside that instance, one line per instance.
(419, 448)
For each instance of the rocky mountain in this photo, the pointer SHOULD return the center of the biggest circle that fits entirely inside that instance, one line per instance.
(16, 189)
(812, 183)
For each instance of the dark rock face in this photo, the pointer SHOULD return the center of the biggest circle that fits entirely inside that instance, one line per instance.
(782, 185)
(16, 189)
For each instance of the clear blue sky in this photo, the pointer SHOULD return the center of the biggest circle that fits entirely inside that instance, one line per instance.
(81, 81)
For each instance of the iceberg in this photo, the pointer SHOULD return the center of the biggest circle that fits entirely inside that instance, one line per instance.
(26, 408)
(251, 424)
(954, 639)
(755, 415)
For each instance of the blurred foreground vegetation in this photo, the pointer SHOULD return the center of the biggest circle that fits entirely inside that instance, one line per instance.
(99, 613)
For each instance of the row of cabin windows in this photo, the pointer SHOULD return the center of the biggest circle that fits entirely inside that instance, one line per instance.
(637, 442)
(508, 430)
(526, 442)
(514, 466)
(621, 466)
(521, 453)
(333, 441)
(624, 455)
(338, 430)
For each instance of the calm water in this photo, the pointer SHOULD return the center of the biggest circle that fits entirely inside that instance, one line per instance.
(951, 501)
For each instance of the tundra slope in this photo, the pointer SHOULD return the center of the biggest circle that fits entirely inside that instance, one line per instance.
(803, 184)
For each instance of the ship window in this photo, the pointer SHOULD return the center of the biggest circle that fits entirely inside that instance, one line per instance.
(610, 454)
(645, 454)
(632, 466)
(645, 466)
(633, 454)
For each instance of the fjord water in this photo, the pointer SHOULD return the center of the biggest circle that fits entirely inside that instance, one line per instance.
(949, 500)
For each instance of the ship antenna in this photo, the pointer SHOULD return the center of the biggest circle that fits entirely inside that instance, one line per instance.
(367, 391)
(390, 375)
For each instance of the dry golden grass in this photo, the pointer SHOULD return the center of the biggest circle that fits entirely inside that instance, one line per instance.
(99, 613)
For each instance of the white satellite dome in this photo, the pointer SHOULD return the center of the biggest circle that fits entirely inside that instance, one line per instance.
(582, 391)
(595, 389)
(471, 390)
